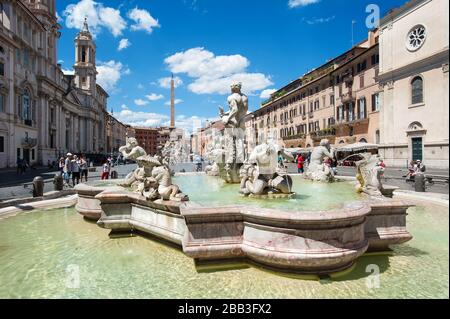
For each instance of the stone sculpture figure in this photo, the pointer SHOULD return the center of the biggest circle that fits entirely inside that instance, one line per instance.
(261, 175)
(132, 151)
(234, 134)
(166, 189)
(317, 169)
(212, 170)
(152, 179)
(369, 174)
(238, 104)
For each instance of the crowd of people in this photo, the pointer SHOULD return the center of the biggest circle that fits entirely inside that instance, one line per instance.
(76, 169)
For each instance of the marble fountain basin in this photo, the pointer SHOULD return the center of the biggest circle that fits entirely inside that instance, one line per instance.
(307, 241)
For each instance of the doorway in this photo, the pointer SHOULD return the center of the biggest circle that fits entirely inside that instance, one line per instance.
(417, 148)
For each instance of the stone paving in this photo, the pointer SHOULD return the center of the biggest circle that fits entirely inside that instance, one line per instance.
(15, 186)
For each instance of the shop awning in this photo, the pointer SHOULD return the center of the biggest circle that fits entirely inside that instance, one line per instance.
(356, 147)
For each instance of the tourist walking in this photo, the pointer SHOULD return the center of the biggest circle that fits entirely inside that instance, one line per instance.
(68, 166)
(75, 169)
(84, 169)
(106, 170)
(61, 164)
(301, 164)
(19, 163)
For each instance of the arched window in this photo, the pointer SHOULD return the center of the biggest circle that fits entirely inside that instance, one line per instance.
(417, 90)
(363, 140)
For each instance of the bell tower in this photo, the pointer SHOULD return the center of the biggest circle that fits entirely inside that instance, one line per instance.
(85, 69)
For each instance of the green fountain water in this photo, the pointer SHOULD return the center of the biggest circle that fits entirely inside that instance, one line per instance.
(212, 191)
(41, 252)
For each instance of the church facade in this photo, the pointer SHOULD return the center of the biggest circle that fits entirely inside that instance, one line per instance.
(44, 113)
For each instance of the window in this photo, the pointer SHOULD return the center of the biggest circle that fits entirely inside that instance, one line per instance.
(417, 90)
(361, 81)
(376, 105)
(83, 54)
(2, 103)
(416, 38)
(26, 106)
(2, 69)
(332, 99)
(361, 66)
(362, 108)
(375, 59)
(2, 144)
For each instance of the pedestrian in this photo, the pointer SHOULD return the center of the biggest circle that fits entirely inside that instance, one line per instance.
(411, 169)
(106, 170)
(75, 169)
(19, 163)
(61, 164)
(301, 164)
(84, 169)
(68, 166)
(334, 165)
(419, 167)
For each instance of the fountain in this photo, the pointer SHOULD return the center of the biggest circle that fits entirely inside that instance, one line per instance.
(281, 235)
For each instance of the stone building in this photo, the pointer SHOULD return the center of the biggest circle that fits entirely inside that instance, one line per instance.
(414, 57)
(338, 101)
(150, 138)
(203, 137)
(43, 113)
(116, 133)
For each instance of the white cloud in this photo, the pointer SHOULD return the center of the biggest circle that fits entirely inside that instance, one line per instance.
(143, 20)
(68, 72)
(145, 119)
(198, 62)
(123, 44)
(154, 97)
(109, 74)
(251, 82)
(140, 86)
(318, 20)
(301, 3)
(98, 17)
(214, 74)
(177, 101)
(165, 82)
(267, 93)
(140, 102)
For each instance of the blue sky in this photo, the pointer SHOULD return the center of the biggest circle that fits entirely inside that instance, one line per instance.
(207, 44)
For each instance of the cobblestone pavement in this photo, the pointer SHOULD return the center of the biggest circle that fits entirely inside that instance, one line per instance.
(16, 186)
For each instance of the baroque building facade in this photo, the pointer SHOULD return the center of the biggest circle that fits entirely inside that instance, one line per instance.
(44, 113)
(338, 101)
(414, 52)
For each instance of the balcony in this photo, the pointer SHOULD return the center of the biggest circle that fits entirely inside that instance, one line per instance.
(311, 115)
(348, 97)
(28, 143)
(295, 137)
(325, 133)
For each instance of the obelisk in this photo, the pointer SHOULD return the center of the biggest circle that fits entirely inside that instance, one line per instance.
(172, 103)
